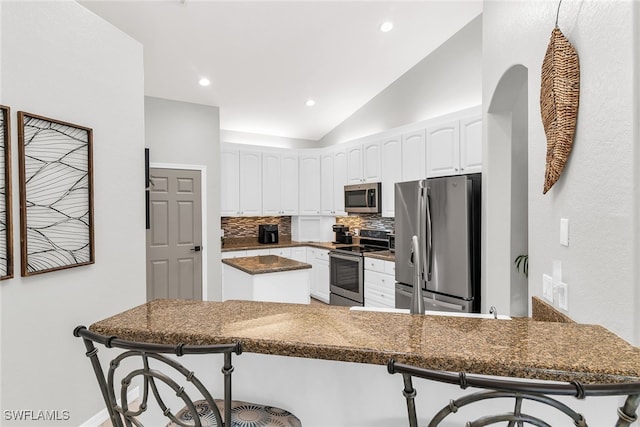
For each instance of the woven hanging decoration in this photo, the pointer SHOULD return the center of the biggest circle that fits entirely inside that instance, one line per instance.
(559, 96)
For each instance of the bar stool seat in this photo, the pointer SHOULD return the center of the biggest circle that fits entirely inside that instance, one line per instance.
(243, 414)
(520, 390)
(165, 381)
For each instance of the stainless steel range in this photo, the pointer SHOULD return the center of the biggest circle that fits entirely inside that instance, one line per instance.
(346, 266)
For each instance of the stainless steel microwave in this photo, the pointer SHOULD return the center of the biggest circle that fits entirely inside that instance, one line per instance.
(363, 198)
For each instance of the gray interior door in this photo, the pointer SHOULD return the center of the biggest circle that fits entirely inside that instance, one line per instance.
(174, 241)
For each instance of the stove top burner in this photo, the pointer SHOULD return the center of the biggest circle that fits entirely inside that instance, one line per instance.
(359, 249)
(370, 241)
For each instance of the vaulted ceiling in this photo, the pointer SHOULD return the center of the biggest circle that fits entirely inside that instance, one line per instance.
(265, 59)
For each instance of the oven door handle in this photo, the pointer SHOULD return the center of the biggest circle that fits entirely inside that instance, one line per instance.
(345, 257)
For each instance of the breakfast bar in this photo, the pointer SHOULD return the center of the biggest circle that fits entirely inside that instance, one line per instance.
(514, 348)
(344, 345)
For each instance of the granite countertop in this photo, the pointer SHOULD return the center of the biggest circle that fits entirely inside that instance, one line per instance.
(251, 244)
(262, 264)
(514, 348)
(383, 255)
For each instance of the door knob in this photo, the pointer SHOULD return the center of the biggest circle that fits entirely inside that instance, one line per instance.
(196, 249)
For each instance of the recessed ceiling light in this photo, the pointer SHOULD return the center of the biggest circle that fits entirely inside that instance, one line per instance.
(204, 81)
(386, 27)
(310, 103)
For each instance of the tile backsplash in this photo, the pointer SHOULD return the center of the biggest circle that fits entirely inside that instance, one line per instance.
(247, 226)
(374, 221)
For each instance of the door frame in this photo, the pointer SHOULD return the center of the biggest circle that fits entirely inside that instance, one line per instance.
(203, 204)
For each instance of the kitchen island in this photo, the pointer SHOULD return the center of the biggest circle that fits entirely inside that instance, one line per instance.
(266, 278)
(335, 353)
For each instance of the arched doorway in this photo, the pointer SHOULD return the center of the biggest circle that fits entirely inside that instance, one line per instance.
(506, 195)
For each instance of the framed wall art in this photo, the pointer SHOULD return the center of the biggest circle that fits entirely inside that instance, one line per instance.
(56, 194)
(6, 233)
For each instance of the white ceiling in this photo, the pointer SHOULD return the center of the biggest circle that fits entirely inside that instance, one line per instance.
(266, 58)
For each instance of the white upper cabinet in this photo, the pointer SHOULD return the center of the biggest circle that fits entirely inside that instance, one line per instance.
(333, 179)
(241, 179)
(230, 179)
(250, 183)
(413, 156)
(363, 163)
(339, 180)
(354, 164)
(309, 183)
(391, 170)
(290, 183)
(371, 171)
(279, 183)
(471, 144)
(271, 178)
(455, 147)
(443, 149)
(271, 181)
(327, 188)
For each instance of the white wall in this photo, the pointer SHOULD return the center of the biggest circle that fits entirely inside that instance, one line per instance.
(636, 177)
(237, 137)
(363, 395)
(447, 80)
(182, 133)
(598, 190)
(61, 61)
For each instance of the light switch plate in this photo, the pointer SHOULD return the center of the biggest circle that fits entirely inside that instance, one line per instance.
(563, 296)
(547, 288)
(564, 231)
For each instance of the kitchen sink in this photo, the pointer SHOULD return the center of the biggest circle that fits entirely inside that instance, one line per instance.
(432, 313)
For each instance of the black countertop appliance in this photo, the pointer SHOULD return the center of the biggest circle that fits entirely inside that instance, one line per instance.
(342, 234)
(268, 233)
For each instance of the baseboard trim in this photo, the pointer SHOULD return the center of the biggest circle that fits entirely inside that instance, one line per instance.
(98, 419)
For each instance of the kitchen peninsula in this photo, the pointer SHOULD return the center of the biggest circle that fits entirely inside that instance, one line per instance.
(308, 358)
(517, 348)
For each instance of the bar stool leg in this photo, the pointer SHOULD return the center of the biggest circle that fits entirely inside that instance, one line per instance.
(627, 412)
(227, 370)
(409, 394)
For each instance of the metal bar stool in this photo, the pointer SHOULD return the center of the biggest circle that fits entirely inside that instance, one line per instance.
(520, 390)
(144, 360)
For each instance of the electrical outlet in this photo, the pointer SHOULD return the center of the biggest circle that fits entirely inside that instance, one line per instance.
(547, 288)
(562, 290)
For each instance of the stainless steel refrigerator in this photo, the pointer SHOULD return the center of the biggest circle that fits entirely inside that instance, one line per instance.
(444, 213)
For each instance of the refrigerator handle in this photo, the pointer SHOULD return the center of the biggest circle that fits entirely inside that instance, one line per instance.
(417, 303)
(422, 206)
(429, 239)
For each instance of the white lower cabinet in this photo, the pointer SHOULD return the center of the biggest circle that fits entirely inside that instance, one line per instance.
(258, 252)
(299, 254)
(379, 283)
(234, 254)
(281, 252)
(319, 259)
